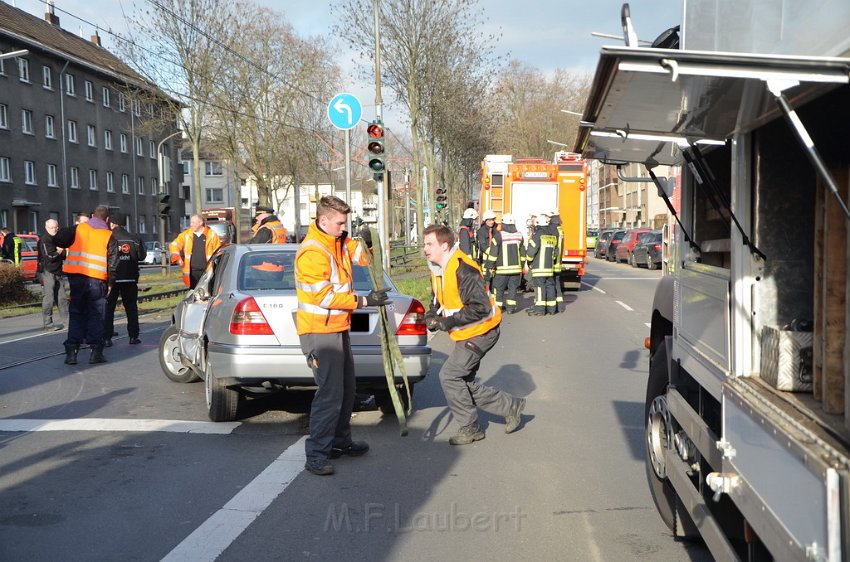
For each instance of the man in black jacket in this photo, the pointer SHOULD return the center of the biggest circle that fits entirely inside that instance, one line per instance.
(52, 279)
(123, 253)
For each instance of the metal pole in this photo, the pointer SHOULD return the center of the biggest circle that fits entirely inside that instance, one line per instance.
(165, 263)
(382, 197)
(348, 173)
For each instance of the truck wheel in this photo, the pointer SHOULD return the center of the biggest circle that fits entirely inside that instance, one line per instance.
(222, 402)
(384, 401)
(659, 438)
(169, 359)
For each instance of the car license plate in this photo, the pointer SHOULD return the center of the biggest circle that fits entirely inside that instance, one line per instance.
(360, 322)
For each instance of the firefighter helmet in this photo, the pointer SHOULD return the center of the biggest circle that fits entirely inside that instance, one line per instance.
(542, 220)
(470, 214)
(508, 218)
(489, 214)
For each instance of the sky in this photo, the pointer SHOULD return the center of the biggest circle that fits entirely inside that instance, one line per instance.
(546, 34)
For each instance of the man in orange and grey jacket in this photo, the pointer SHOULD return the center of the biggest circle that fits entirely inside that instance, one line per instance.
(461, 306)
(86, 268)
(324, 284)
(267, 228)
(192, 248)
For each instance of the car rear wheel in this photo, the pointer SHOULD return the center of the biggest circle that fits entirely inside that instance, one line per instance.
(222, 402)
(650, 263)
(633, 260)
(384, 401)
(169, 358)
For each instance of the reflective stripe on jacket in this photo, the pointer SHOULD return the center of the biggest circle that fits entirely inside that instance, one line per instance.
(182, 246)
(324, 282)
(511, 254)
(541, 252)
(277, 230)
(559, 251)
(87, 255)
(445, 287)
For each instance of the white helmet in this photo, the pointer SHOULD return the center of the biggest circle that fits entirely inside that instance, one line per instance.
(489, 214)
(470, 214)
(553, 212)
(543, 213)
(508, 218)
(542, 220)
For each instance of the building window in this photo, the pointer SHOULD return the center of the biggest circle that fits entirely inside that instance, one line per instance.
(154, 186)
(125, 183)
(26, 121)
(33, 221)
(51, 176)
(2, 73)
(29, 172)
(110, 182)
(70, 85)
(47, 77)
(142, 224)
(4, 116)
(215, 195)
(75, 177)
(152, 149)
(186, 192)
(121, 107)
(49, 130)
(72, 131)
(89, 91)
(93, 180)
(123, 141)
(187, 168)
(105, 92)
(153, 225)
(140, 185)
(212, 168)
(91, 134)
(107, 139)
(5, 174)
(137, 108)
(23, 70)
(140, 146)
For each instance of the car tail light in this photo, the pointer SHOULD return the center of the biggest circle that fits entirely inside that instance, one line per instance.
(413, 323)
(658, 247)
(248, 320)
(615, 241)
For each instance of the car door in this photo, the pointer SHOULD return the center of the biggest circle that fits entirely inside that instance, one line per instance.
(194, 312)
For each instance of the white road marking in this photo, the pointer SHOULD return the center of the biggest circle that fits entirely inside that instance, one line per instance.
(624, 305)
(592, 287)
(104, 424)
(629, 278)
(224, 526)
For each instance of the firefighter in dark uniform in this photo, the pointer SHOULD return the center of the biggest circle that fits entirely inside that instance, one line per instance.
(510, 258)
(267, 228)
(124, 252)
(466, 234)
(557, 230)
(541, 254)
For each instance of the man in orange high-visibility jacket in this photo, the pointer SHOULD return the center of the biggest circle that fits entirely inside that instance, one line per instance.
(267, 229)
(86, 268)
(192, 248)
(462, 307)
(326, 297)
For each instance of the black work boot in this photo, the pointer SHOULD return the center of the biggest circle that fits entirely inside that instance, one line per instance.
(71, 354)
(513, 419)
(467, 435)
(97, 354)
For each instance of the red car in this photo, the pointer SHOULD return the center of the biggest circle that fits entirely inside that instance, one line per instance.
(624, 248)
(29, 256)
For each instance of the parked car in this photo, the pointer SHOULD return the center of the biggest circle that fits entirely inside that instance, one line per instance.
(613, 244)
(154, 253)
(29, 256)
(647, 252)
(602, 242)
(624, 249)
(236, 331)
(592, 236)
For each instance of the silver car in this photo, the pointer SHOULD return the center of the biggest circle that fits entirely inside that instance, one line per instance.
(236, 331)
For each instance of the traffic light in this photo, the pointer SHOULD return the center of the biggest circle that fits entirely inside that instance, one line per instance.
(441, 198)
(163, 206)
(376, 149)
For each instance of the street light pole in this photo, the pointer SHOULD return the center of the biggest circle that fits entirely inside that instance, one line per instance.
(381, 184)
(163, 258)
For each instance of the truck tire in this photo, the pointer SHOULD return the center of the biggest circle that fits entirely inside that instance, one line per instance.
(658, 437)
(169, 361)
(222, 402)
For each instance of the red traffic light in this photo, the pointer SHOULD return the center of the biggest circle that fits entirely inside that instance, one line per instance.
(375, 130)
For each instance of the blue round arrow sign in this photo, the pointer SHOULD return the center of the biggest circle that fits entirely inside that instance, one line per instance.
(344, 111)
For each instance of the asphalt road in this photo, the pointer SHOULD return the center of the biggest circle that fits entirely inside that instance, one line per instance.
(116, 462)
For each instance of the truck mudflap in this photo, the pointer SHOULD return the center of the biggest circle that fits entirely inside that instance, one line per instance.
(768, 443)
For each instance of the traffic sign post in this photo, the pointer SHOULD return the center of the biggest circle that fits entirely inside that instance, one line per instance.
(344, 112)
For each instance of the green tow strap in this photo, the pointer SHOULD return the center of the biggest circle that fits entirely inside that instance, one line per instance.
(389, 346)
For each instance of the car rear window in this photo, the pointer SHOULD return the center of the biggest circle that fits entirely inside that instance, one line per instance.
(30, 245)
(275, 271)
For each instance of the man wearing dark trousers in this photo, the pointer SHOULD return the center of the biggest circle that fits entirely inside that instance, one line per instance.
(462, 307)
(324, 284)
(124, 253)
(86, 268)
(50, 260)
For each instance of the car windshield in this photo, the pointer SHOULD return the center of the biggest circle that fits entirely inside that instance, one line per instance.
(275, 271)
(592, 232)
(31, 245)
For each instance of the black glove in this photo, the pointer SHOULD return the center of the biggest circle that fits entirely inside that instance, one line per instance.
(435, 323)
(431, 321)
(377, 297)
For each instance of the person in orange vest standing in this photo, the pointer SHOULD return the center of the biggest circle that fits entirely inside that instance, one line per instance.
(324, 284)
(462, 307)
(267, 228)
(86, 268)
(192, 248)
